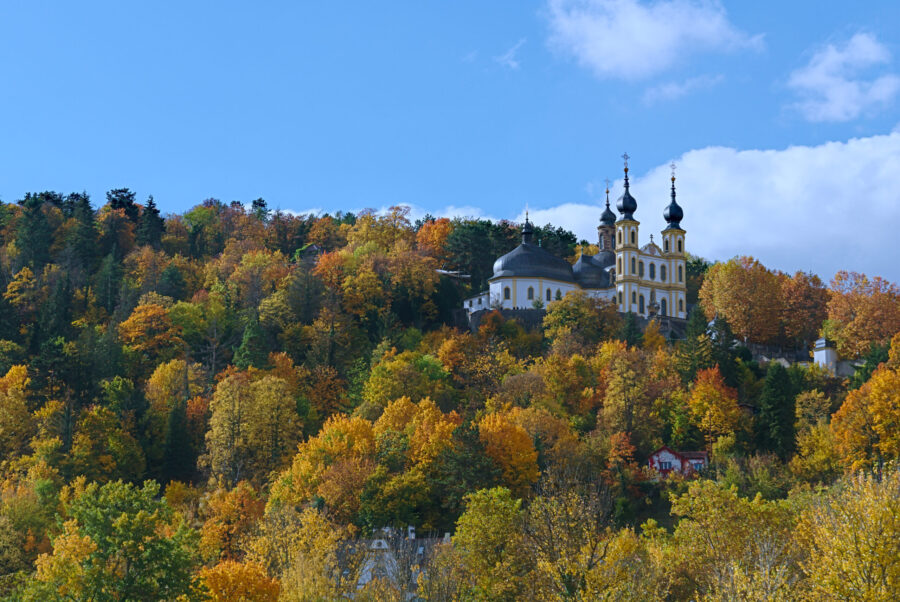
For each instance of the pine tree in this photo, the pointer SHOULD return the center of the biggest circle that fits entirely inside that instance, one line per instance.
(775, 421)
(178, 459)
(106, 282)
(252, 351)
(83, 237)
(122, 198)
(33, 235)
(171, 283)
(630, 331)
(151, 226)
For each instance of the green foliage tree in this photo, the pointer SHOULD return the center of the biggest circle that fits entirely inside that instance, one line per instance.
(774, 426)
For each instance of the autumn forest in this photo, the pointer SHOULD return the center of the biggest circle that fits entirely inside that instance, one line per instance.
(234, 403)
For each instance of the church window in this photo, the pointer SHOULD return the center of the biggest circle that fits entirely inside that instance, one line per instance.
(662, 273)
(679, 245)
(633, 270)
(681, 305)
(620, 264)
(641, 269)
(620, 297)
(680, 274)
(548, 294)
(558, 295)
(479, 300)
(470, 303)
(666, 245)
(662, 307)
(632, 237)
(652, 271)
(641, 304)
(633, 297)
(530, 293)
(506, 293)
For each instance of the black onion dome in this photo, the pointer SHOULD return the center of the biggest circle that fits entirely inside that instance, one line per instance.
(626, 203)
(608, 218)
(592, 272)
(531, 261)
(673, 213)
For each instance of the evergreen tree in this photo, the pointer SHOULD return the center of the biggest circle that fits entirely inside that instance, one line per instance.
(178, 459)
(260, 209)
(151, 226)
(107, 281)
(82, 238)
(171, 283)
(252, 350)
(630, 331)
(33, 235)
(775, 421)
(122, 198)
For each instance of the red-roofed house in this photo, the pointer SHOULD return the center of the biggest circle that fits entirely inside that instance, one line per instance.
(665, 460)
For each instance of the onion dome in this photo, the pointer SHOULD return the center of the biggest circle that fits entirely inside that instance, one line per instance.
(608, 218)
(626, 203)
(673, 213)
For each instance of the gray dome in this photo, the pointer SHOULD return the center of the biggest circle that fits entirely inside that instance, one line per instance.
(593, 271)
(608, 218)
(531, 261)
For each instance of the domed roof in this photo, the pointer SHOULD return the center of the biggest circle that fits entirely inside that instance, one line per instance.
(593, 271)
(673, 213)
(626, 203)
(607, 218)
(531, 261)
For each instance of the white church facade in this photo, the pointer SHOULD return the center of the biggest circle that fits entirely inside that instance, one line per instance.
(648, 280)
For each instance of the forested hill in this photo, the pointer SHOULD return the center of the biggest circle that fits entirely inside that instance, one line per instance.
(230, 402)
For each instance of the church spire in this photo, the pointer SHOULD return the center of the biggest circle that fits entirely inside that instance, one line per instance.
(527, 230)
(626, 204)
(673, 213)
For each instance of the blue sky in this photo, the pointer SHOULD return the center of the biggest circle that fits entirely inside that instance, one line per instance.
(782, 116)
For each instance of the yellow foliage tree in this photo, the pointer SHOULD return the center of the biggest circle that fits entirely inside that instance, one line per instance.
(231, 581)
(511, 448)
(16, 423)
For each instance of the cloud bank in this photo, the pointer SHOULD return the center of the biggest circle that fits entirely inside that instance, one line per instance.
(832, 86)
(632, 40)
(813, 208)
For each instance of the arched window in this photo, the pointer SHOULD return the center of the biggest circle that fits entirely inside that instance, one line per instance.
(641, 269)
(530, 293)
(470, 303)
(506, 293)
(549, 295)
(641, 304)
(620, 264)
(479, 300)
(679, 245)
(666, 245)
(681, 305)
(662, 273)
(620, 297)
(632, 237)
(633, 297)
(680, 274)
(652, 271)
(633, 270)
(558, 294)
(662, 307)
(620, 237)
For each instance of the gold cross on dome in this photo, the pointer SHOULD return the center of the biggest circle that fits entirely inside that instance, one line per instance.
(626, 157)
(607, 184)
(673, 166)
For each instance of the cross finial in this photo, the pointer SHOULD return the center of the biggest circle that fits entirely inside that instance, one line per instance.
(607, 185)
(626, 157)
(651, 238)
(673, 166)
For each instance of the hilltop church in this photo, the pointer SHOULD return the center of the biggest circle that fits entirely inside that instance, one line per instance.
(647, 280)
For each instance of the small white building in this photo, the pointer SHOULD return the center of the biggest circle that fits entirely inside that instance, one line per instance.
(665, 460)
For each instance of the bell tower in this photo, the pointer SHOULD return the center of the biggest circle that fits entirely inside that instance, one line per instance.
(675, 256)
(606, 231)
(627, 250)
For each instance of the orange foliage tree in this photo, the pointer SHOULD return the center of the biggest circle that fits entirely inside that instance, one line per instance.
(746, 294)
(861, 311)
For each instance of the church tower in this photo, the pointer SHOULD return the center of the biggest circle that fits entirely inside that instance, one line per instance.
(675, 257)
(627, 250)
(606, 231)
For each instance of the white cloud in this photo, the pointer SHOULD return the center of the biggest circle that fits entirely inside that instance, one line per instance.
(832, 87)
(633, 40)
(508, 58)
(674, 90)
(820, 208)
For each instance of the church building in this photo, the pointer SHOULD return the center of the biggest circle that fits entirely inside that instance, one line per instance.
(648, 280)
